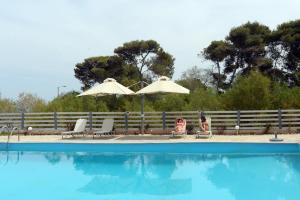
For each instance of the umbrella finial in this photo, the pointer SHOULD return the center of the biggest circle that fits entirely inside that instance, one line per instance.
(163, 78)
(110, 80)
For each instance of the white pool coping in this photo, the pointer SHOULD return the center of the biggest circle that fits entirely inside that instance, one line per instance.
(288, 138)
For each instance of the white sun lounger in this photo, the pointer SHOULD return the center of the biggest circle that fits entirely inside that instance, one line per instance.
(205, 134)
(78, 129)
(107, 127)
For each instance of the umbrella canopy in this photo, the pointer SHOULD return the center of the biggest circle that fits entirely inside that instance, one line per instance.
(109, 87)
(163, 85)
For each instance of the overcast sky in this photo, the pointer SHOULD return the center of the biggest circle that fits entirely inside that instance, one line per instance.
(41, 41)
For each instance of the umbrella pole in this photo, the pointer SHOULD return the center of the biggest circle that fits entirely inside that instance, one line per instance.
(142, 113)
(142, 108)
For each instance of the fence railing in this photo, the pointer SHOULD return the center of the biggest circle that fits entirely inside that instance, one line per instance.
(221, 120)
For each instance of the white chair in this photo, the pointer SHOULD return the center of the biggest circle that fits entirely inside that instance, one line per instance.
(107, 127)
(78, 129)
(204, 134)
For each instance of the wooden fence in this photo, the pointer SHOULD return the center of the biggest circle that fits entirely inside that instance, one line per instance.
(221, 120)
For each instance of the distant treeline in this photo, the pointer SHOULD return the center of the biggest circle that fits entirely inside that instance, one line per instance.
(254, 91)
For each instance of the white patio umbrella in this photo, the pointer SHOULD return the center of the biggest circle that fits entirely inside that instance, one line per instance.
(109, 87)
(162, 85)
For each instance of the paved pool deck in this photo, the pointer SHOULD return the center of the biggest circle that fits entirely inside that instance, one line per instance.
(289, 138)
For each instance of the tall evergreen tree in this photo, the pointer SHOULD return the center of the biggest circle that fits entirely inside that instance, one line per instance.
(284, 48)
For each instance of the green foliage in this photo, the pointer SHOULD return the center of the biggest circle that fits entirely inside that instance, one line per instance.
(284, 47)
(71, 103)
(255, 91)
(133, 105)
(242, 51)
(97, 69)
(252, 92)
(200, 99)
(147, 57)
(171, 102)
(133, 61)
(195, 78)
(204, 99)
(292, 100)
(284, 97)
(27, 102)
(253, 46)
(7, 105)
(217, 52)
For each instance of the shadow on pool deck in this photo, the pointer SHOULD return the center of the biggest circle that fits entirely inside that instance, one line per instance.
(124, 137)
(141, 137)
(90, 138)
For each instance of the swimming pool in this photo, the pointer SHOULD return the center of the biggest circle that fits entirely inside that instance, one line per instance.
(149, 171)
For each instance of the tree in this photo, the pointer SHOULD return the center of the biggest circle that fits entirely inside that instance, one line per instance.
(284, 49)
(253, 46)
(248, 42)
(147, 57)
(195, 77)
(242, 51)
(134, 61)
(27, 102)
(97, 69)
(249, 92)
(216, 52)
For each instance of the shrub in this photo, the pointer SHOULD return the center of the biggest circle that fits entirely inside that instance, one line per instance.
(249, 93)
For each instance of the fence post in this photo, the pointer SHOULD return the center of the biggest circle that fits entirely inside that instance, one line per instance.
(164, 120)
(22, 120)
(55, 120)
(238, 118)
(91, 120)
(279, 118)
(126, 122)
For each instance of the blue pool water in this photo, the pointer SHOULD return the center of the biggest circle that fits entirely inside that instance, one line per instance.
(149, 171)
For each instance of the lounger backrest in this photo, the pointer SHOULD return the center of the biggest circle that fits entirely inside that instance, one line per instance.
(208, 120)
(200, 123)
(80, 125)
(108, 125)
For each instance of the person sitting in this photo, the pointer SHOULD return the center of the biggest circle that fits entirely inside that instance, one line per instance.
(180, 127)
(204, 125)
(204, 128)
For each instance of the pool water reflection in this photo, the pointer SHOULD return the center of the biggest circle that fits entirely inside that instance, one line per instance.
(56, 175)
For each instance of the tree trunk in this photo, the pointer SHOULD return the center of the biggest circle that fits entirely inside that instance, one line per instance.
(142, 106)
(219, 76)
